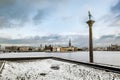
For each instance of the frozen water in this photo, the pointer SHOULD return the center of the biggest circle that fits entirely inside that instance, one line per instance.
(104, 57)
(32, 70)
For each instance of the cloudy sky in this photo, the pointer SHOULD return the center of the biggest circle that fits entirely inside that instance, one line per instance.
(33, 22)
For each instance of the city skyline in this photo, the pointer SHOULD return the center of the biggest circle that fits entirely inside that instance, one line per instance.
(43, 21)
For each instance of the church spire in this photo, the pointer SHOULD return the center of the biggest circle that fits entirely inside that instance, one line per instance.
(69, 42)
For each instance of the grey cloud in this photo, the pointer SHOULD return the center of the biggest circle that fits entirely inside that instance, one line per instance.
(38, 16)
(108, 39)
(77, 40)
(113, 17)
(4, 3)
(23, 11)
(13, 10)
(116, 13)
(41, 15)
(4, 22)
(118, 38)
(116, 7)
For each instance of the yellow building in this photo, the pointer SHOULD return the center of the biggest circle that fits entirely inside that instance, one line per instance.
(11, 48)
(64, 49)
(24, 48)
(67, 49)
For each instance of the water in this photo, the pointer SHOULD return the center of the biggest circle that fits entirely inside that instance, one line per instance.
(104, 57)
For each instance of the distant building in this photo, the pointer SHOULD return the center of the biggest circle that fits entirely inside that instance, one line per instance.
(65, 49)
(48, 48)
(18, 48)
(24, 49)
(84, 49)
(56, 49)
(100, 49)
(11, 48)
(113, 48)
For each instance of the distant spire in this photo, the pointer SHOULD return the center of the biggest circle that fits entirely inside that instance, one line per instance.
(69, 42)
(40, 45)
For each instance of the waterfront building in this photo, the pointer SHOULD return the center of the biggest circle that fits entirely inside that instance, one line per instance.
(64, 48)
(113, 48)
(48, 48)
(100, 49)
(11, 48)
(24, 49)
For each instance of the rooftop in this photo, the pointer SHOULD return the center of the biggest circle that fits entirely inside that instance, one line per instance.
(51, 69)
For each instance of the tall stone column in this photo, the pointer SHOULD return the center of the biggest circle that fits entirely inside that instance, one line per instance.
(90, 24)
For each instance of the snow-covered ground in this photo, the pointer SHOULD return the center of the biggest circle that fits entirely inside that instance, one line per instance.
(41, 70)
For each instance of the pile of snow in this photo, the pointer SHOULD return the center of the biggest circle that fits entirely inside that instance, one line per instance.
(41, 70)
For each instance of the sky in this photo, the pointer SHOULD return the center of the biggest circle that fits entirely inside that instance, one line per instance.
(35, 22)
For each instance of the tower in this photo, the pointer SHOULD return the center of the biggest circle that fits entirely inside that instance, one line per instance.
(69, 42)
(90, 24)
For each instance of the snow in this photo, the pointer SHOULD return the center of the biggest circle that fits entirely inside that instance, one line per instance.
(32, 70)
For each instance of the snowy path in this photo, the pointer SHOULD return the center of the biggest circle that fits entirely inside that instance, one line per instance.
(32, 70)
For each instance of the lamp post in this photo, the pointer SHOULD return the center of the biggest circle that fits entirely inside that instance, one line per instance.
(90, 24)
